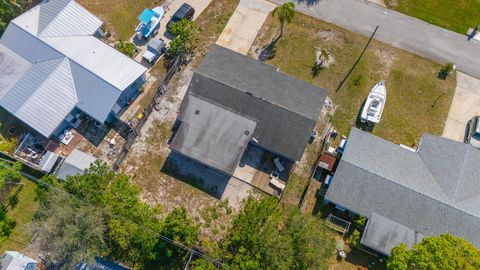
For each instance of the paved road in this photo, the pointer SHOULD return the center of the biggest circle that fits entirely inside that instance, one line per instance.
(400, 30)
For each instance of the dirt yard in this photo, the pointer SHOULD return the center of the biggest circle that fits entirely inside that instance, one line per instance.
(170, 180)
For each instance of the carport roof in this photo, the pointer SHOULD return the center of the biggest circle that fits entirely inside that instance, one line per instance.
(212, 135)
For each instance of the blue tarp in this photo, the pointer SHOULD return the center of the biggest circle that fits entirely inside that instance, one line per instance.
(146, 16)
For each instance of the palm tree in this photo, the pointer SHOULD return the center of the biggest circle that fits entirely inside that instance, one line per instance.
(285, 14)
(324, 57)
(8, 10)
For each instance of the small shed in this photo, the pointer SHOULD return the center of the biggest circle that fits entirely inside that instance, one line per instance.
(14, 260)
(76, 163)
(327, 161)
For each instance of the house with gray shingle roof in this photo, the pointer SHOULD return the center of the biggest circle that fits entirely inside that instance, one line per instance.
(407, 195)
(234, 100)
(52, 65)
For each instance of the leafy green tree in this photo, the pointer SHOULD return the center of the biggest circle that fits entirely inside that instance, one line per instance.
(93, 184)
(185, 34)
(6, 225)
(132, 225)
(312, 242)
(180, 228)
(69, 231)
(8, 10)
(9, 173)
(444, 252)
(285, 14)
(42, 190)
(264, 236)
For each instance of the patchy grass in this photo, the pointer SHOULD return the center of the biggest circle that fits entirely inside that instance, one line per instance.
(211, 22)
(412, 83)
(22, 213)
(120, 16)
(456, 15)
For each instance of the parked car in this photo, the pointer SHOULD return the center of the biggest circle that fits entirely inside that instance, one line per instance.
(184, 12)
(155, 48)
(473, 136)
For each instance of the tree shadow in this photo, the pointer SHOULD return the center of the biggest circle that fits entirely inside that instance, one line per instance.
(269, 51)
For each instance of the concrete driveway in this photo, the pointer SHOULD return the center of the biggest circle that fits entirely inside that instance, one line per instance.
(465, 104)
(244, 25)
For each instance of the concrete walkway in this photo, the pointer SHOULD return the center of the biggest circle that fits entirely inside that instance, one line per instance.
(244, 25)
(465, 104)
(400, 30)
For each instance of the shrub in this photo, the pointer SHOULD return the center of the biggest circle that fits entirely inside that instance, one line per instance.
(445, 71)
(125, 47)
(358, 80)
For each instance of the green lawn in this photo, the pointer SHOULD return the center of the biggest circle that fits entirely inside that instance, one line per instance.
(412, 83)
(22, 213)
(119, 15)
(456, 15)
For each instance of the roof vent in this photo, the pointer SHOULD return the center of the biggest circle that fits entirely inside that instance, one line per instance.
(248, 93)
(197, 112)
(247, 132)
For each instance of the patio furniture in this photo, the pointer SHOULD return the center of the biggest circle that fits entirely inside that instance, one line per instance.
(278, 164)
(67, 136)
(278, 184)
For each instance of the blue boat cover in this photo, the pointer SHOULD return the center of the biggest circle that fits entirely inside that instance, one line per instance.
(146, 16)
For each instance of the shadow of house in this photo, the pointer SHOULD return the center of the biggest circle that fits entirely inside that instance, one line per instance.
(233, 101)
(196, 174)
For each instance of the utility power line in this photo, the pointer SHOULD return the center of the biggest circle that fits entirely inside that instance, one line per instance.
(162, 237)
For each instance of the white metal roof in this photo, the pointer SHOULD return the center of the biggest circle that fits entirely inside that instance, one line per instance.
(13, 260)
(50, 62)
(76, 163)
(107, 63)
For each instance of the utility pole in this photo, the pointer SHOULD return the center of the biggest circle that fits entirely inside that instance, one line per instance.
(189, 260)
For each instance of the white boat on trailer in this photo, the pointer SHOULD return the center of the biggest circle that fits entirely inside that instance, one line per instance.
(373, 108)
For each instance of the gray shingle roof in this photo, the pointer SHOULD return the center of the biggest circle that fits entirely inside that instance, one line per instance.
(383, 234)
(263, 81)
(285, 109)
(431, 191)
(212, 135)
